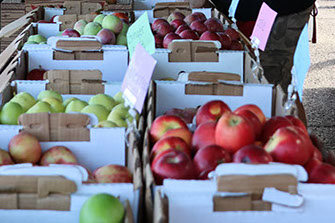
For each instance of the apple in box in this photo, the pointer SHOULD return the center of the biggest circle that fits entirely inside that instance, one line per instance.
(233, 132)
(198, 27)
(113, 174)
(191, 18)
(71, 33)
(211, 111)
(36, 74)
(253, 119)
(189, 34)
(236, 45)
(158, 41)
(175, 15)
(176, 23)
(203, 136)
(183, 133)
(181, 28)
(272, 125)
(163, 29)
(113, 23)
(186, 114)
(200, 15)
(168, 143)
(297, 122)
(106, 36)
(323, 173)
(58, 155)
(252, 154)
(208, 158)
(225, 40)
(25, 148)
(157, 22)
(5, 158)
(172, 164)
(234, 35)
(169, 38)
(208, 35)
(214, 25)
(255, 109)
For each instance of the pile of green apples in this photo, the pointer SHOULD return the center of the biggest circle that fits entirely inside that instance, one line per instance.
(110, 111)
(36, 39)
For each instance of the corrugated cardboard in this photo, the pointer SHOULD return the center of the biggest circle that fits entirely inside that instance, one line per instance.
(214, 89)
(75, 81)
(193, 51)
(81, 7)
(67, 21)
(256, 184)
(84, 45)
(240, 203)
(161, 209)
(162, 9)
(213, 76)
(56, 126)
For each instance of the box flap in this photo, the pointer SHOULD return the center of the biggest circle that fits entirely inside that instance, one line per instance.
(256, 184)
(161, 208)
(193, 51)
(213, 76)
(226, 89)
(55, 185)
(74, 44)
(163, 9)
(67, 21)
(56, 126)
(8, 201)
(75, 81)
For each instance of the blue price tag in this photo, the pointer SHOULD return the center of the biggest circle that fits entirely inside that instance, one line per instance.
(301, 61)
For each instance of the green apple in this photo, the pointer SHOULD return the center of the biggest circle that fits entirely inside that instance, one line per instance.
(56, 105)
(103, 99)
(75, 106)
(119, 115)
(38, 38)
(105, 124)
(124, 29)
(79, 26)
(25, 100)
(92, 28)
(99, 18)
(43, 43)
(118, 97)
(10, 113)
(121, 39)
(61, 32)
(49, 93)
(40, 106)
(98, 110)
(102, 208)
(67, 101)
(30, 42)
(113, 23)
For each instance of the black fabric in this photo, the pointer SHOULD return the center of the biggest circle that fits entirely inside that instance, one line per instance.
(247, 10)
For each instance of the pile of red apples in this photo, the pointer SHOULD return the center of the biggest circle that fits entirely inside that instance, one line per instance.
(25, 148)
(240, 136)
(195, 27)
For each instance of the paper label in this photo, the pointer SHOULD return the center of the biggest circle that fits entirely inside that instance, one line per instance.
(140, 32)
(137, 79)
(301, 61)
(263, 26)
(233, 7)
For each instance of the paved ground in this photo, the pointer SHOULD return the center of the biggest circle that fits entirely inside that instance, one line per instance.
(319, 88)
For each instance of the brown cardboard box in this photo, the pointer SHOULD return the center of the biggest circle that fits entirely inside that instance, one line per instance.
(163, 9)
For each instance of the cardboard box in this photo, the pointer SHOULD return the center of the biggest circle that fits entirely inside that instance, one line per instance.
(150, 4)
(92, 151)
(189, 56)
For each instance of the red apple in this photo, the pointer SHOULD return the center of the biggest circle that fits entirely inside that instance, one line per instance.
(36, 74)
(297, 122)
(172, 164)
(189, 34)
(234, 35)
(157, 22)
(287, 145)
(171, 142)
(317, 153)
(158, 41)
(183, 133)
(191, 18)
(200, 15)
(271, 126)
(164, 123)
(169, 38)
(43, 21)
(203, 136)
(254, 120)
(25, 148)
(208, 158)
(252, 154)
(255, 109)
(211, 111)
(186, 114)
(198, 27)
(233, 132)
(52, 20)
(175, 15)
(214, 25)
(113, 174)
(210, 36)
(225, 40)
(163, 29)
(236, 45)
(5, 158)
(182, 28)
(71, 33)
(311, 164)
(323, 174)
(58, 155)
(176, 23)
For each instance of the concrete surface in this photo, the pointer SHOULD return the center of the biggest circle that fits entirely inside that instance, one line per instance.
(319, 87)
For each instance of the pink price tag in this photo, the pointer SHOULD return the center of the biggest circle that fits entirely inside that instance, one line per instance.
(137, 79)
(263, 26)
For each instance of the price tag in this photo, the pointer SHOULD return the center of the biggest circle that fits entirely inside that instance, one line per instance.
(233, 7)
(301, 61)
(137, 79)
(263, 26)
(140, 32)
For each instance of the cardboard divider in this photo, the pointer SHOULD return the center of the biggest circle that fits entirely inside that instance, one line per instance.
(223, 89)
(163, 9)
(81, 7)
(56, 126)
(73, 45)
(213, 76)
(241, 203)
